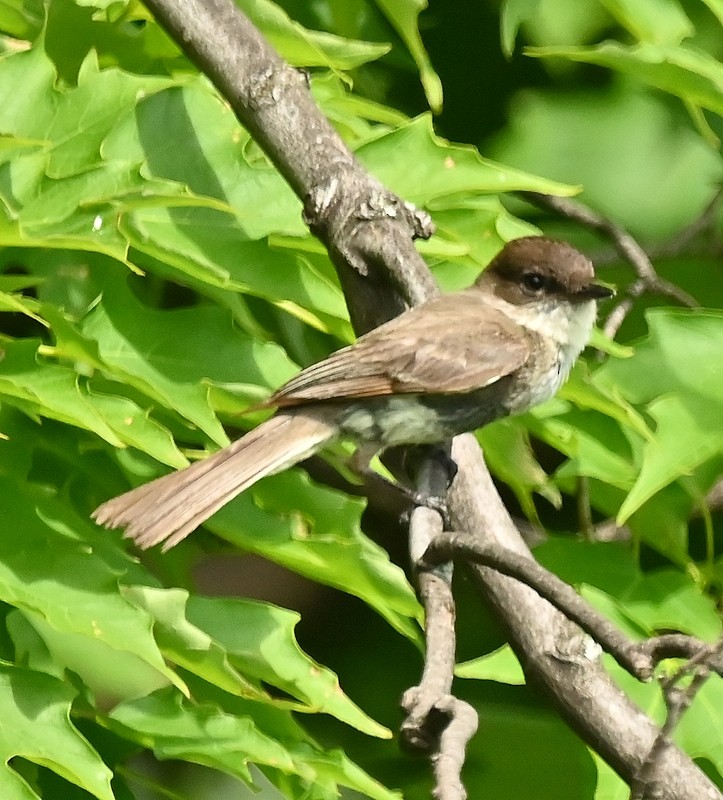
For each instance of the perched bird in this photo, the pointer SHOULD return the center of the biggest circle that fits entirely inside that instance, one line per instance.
(447, 366)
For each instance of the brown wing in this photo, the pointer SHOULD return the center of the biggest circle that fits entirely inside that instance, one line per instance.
(453, 344)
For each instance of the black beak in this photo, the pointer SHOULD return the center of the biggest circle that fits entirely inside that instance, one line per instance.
(595, 291)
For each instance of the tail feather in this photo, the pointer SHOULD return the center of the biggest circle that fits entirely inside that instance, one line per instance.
(169, 508)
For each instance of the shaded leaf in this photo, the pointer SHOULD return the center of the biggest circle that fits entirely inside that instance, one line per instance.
(175, 357)
(188, 645)
(507, 450)
(669, 600)
(204, 734)
(691, 74)
(512, 15)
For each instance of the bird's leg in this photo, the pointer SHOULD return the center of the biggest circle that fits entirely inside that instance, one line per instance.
(360, 463)
(435, 496)
(441, 453)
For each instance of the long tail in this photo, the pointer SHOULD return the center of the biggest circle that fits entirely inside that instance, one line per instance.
(169, 508)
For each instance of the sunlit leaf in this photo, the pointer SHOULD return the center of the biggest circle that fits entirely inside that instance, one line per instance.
(501, 666)
(35, 710)
(260, 640)
(57, 579)
(440, 169)
(403, 14)
(654, 21)
(306, 48)
(676, 374)
(316, 532)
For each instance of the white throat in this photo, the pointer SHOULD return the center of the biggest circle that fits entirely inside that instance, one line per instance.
(567, 324)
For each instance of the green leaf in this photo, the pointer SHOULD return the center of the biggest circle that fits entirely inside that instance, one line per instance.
(610, 786)
(200, 733)
(21, 19)
(688, 434)
(63, 191)
(402, 15)
(188, 645)
(644, 604)
(260, 641)
(68, 591)
(700, 731)
(175, 357)
(512, 15)
(35, 710)
(207, 246)
(691, 74)
(316, 532)
(16, 283)
(471, 230)
(654, 21)
(501, 666)
(507, 450)
(58, 392)
(593, 442)
(74, 122)
(599, 341)
(205, 734)
(304, 48)
(716, 7)
(582, 390)
(576, 136)
(423, 168)
(608, 566)
(675, 374)
(669, 600)
(187, 137)
(662, 523)
(21, 305)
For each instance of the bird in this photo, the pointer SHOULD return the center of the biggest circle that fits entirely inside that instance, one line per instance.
(447, 366)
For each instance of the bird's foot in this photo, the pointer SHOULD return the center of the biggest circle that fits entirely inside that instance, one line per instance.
(434, 502)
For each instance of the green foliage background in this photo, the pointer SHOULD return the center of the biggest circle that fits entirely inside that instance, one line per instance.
(156, 279)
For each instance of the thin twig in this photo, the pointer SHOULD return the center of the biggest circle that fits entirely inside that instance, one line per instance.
(584, 513)
(699, 667)
(436, 722)
(682, 240)
(638, 658)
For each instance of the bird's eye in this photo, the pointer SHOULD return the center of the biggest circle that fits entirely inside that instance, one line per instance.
(533, 282)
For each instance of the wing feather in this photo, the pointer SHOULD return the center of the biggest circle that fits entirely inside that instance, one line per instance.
(453, 344)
